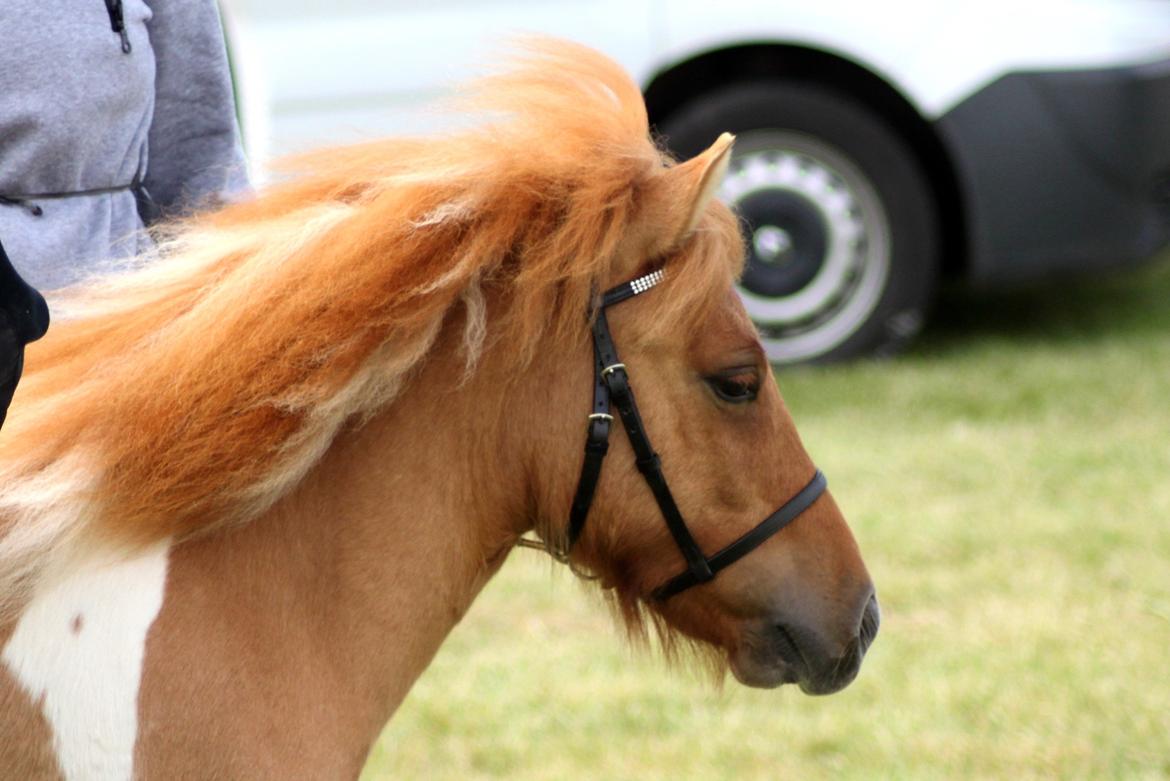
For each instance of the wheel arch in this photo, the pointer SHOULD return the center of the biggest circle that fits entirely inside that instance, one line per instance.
(674, 86)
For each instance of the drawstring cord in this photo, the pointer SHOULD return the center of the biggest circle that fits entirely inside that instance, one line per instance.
(20, 203)
(145, 202)
(118, 23)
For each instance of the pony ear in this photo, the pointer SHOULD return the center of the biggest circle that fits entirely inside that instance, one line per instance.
(679, 195)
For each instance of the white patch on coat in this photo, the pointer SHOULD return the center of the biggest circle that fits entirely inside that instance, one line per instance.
(44, 511)
(78, 650)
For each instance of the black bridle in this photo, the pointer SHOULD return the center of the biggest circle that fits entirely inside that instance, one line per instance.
(611, 382)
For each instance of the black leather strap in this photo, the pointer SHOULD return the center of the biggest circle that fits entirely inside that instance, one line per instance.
(596, 446)
(646, 459)
(752, 539)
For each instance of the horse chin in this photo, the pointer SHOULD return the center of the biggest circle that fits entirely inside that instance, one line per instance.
(751, 670)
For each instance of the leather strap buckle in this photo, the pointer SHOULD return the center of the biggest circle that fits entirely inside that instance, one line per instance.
(617, 381)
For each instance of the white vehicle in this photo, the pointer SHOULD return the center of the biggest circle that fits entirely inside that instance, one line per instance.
(881, 146)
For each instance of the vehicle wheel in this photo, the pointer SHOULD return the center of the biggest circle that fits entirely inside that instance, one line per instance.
(840, 227)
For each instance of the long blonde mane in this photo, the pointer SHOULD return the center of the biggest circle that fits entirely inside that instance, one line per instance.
(199, 387)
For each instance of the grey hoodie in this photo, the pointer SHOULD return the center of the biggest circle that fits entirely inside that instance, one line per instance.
(82, 118)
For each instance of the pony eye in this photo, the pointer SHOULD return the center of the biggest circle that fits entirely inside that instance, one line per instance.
(737, 386)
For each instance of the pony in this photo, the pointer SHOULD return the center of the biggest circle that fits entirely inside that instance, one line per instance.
(250, 483)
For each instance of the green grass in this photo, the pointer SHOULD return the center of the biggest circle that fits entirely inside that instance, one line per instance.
(1009, 483)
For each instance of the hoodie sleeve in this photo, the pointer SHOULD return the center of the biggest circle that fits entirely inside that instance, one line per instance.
(194, 157)
(23, 318)
(24, 309)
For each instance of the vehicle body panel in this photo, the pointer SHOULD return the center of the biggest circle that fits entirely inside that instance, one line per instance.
(1055, 172)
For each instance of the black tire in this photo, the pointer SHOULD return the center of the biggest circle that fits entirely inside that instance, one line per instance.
(841, 229)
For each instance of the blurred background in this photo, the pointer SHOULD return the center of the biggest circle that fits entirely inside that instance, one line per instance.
(978, 192)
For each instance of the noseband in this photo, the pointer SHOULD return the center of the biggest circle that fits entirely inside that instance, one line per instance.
(611, 382)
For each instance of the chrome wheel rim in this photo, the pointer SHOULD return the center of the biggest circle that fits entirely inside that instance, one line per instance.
(818, 241)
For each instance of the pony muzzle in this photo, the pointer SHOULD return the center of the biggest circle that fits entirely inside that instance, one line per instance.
(772, 653)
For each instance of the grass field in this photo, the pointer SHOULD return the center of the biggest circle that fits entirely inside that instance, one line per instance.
(1009, 483)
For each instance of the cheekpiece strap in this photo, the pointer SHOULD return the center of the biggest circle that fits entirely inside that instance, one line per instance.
(600, 419)
(622, 394)
(596, 447)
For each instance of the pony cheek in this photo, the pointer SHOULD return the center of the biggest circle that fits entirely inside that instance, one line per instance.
(701, 617)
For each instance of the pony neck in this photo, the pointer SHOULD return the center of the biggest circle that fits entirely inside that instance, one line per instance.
(428, 507)
(341, 594)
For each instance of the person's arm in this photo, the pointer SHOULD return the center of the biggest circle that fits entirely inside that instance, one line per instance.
(194, 156)
(24, 318)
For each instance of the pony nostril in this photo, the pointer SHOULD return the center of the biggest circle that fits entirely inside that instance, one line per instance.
(871, 618)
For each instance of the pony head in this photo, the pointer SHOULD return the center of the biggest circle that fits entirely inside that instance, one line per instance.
(799, 608)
